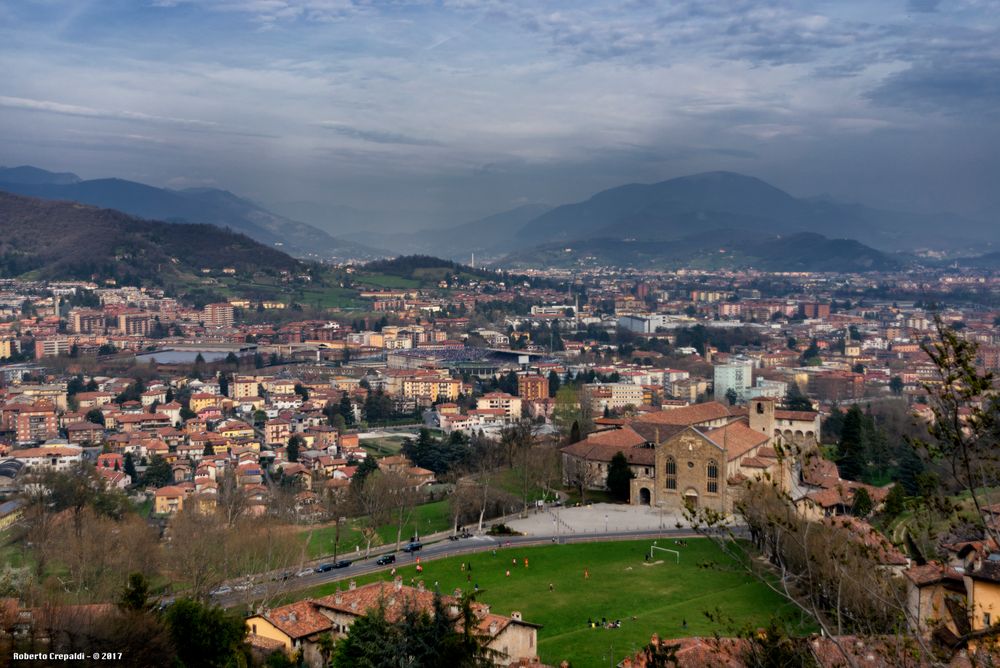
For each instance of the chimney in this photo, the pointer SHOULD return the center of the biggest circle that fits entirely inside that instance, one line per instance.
(292, 617)
(354, 605)
(493, 628)
(457, 593)
(515, 615)
(398, 582)
(353, 585)
(420, 586)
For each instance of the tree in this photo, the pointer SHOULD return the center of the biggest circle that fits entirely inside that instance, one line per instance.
(96, 416)
(895, 501)
(135, 596)
(731, 396)
(130, 468)
(851, 447)
(862, 505)
(346, 410)
(301, 390)
(554, 383)
(896, 385)
(158, 473)
(295, 443)
(619, 477)
(206, 635)
(795, 400)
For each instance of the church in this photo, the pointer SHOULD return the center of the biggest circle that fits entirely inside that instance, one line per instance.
(693, 456)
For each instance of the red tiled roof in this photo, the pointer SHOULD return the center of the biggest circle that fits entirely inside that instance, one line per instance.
(299, 619)
(688, 415)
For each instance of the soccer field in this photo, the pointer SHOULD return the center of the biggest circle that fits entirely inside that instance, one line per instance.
(647, 599)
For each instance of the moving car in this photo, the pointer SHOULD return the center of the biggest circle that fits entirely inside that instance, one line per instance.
(415, 546)
(343, 563)
(323, 568)
(386, 559)
(221, 591)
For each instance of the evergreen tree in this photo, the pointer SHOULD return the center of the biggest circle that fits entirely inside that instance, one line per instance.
(851, 447)
(554, 383)
(158, 473)
(574, 432)
(346, 410)
(130, 468)
(96, 416)
(862, 505)
(896, 385)
(910, 469)
(367, 466)
(619, 477)
(795, 400)
(895, 501)
(295, 443)
(206, 635)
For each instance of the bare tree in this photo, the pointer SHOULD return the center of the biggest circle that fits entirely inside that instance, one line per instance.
(373, 506)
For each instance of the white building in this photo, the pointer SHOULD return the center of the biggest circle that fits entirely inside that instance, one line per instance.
(734, 376)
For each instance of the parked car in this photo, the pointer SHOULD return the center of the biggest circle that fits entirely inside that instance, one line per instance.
(386, 559)
(415, 546)
(323, 568)
(244, 586)
(221, 591)
(302, 574)
(343, 563)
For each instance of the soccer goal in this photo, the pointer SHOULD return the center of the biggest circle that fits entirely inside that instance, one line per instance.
(653, 547)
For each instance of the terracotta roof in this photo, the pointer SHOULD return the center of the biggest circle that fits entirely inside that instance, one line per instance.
(393, 597)
(604, 445)
(931, 573)
(299, 619)
(688, 415)
(737, 438)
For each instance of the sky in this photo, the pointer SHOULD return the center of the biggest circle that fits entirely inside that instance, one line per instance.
(439, 111)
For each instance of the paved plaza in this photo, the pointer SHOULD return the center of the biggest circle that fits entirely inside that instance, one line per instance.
(595, 518)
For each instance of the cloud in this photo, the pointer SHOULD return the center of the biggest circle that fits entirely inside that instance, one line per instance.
(48, 106)
(963, 87)
(378, 136)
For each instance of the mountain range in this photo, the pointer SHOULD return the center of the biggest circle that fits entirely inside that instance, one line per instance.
(714, 216)
(194, 205)
(57, 239)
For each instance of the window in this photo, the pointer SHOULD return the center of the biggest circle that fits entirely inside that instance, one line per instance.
(760, 408)
(713, 477)
(986, 619)
(671, 473)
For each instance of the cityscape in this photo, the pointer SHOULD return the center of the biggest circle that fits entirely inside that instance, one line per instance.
(470, 334)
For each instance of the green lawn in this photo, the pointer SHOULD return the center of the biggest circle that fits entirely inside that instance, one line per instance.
(386, 281)
(384, 446)
(426, 519)
(660, 597)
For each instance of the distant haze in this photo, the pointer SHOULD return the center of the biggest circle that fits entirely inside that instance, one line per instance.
(433, 113)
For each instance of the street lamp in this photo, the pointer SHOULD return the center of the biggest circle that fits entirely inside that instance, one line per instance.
(605, 522)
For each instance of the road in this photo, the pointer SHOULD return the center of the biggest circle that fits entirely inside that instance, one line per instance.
(438, 550)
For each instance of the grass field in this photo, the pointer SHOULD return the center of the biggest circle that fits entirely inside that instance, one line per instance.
(384, 446)
(427, 518)
(660, 597)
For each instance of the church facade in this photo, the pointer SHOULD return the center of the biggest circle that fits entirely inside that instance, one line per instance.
(694, 457)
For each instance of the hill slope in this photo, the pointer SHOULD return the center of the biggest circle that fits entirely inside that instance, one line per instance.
(52, 239)
(199, 205)
(725, 200)
(732, 249)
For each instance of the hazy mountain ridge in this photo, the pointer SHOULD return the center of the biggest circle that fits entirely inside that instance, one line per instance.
(726, 200)
(67, 240)
(197, 205)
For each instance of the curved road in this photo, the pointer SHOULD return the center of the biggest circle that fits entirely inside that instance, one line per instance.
(438, 550)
